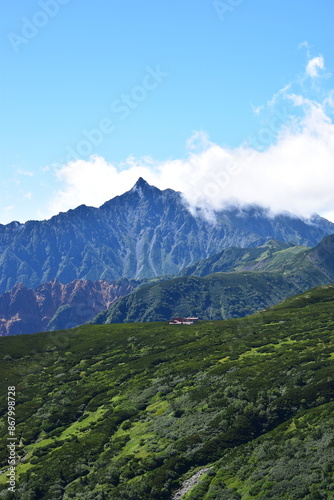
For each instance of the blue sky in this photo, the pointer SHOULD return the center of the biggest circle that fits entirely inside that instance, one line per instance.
(94, 94)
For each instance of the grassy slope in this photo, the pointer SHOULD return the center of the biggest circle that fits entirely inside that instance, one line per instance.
(130, 411)
(273, 256)
(265, 257)
(243, 281)
(216, 296)
(311, 264)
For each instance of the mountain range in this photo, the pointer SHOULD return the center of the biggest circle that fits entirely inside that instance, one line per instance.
(309, 263)
(231, 284)
(89, 258)
(143, 233)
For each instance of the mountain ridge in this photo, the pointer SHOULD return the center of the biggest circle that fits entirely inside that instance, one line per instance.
(319, 259)
(234, 283)
(55, 306)
(142, 233)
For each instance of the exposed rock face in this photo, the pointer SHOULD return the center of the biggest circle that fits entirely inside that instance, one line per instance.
(54, 306)
(323, 256)
(141, 234)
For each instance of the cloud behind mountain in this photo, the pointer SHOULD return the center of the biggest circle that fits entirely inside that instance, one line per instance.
(293, 173)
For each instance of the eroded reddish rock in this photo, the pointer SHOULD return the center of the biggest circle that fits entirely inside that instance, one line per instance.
(53, 305)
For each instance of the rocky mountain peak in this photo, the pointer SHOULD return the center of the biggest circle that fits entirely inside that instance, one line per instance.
(142, 183)
(141, 186)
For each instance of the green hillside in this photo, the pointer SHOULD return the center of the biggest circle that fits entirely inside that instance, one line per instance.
(216, 296)
(312, 265)
(269, 257)
(131, 411)
(244, 281)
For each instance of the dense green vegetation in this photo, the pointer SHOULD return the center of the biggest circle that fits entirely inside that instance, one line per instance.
(311, 265)
(215, 297)
(245, 280)
(130, 411)
(272, 256)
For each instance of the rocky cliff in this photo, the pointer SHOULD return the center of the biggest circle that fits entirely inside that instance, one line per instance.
(54, 306)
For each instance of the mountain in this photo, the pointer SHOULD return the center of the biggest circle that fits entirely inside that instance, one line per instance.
(141, 234)
(242, 281)
(54, 306)
(216, 296)
(284, 271)
(245, 259)
(314, 265)
(237, 409)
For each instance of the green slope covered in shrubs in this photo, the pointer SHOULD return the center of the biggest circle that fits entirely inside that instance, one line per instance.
(231, 284)
(130, 411)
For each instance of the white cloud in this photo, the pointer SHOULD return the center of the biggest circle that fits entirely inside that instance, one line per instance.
(329, 215)
(281, 93)
(25, 172)
(304, 44)
(329, 100)
(313, 66)
(286, 165)
(93, 182)
(198, 141)
(295, 173)
(257, 109)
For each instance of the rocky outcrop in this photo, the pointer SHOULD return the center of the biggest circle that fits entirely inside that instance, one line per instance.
(189, 484)
(55, 306)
